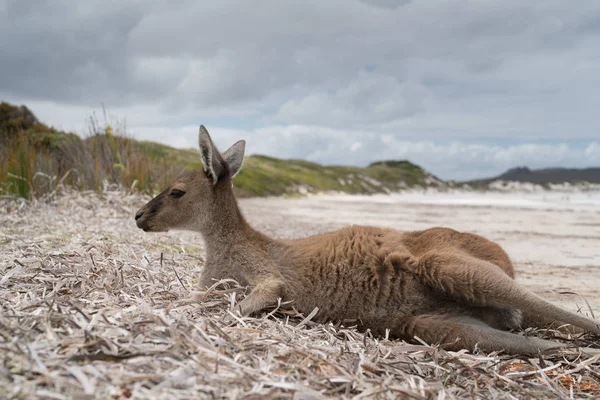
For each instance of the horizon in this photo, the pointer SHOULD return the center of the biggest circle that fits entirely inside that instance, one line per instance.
(466, 91)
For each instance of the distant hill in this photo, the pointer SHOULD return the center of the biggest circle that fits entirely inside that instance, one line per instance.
(545, 176)
(35, 159)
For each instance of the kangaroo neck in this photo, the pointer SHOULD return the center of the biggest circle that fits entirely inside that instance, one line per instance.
(230, 232)
(233, 247)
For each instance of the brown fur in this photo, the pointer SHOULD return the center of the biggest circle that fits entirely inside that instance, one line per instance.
(447, 287)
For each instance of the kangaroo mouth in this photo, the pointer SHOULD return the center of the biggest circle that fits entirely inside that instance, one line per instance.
(146, 226)
(151, 228)
(143, 221)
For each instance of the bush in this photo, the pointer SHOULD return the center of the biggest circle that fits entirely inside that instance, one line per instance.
(36, 160)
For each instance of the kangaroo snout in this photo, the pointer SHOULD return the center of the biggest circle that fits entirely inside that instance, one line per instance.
(147, 218)
(139, 221)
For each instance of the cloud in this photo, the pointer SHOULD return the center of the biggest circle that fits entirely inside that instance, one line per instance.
(501, 71)
(367, 100)
(389, 4)
(592, 151)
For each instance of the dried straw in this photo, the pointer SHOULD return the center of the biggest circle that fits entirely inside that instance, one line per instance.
(90, 307)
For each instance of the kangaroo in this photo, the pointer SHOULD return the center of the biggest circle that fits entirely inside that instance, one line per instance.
(443, 286)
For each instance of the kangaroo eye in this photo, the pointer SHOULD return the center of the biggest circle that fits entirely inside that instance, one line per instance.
(176, 193)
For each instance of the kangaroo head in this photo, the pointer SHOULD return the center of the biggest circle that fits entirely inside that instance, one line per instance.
(194, 200)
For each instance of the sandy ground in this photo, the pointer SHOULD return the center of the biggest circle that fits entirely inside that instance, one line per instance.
(92, 307)
(553, 238)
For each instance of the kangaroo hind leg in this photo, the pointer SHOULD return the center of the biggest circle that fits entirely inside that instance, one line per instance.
(476, 282)
(460, 332)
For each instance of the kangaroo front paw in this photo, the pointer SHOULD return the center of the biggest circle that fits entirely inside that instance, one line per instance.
(231, 315)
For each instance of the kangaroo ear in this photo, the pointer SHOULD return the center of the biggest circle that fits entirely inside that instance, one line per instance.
(234, 156)
(214, 165)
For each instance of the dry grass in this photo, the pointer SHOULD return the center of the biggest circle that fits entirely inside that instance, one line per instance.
(40, 162)
(90, 307)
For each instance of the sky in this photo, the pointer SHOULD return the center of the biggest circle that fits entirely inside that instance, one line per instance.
(466, 89)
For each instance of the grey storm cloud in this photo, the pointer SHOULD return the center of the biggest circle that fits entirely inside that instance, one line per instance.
(342, 69)
(65, 51)
(388, 59)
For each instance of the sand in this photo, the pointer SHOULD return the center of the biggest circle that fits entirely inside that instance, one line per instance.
(92, 307)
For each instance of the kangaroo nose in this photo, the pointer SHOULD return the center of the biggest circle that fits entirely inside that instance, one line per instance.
(139, 214)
